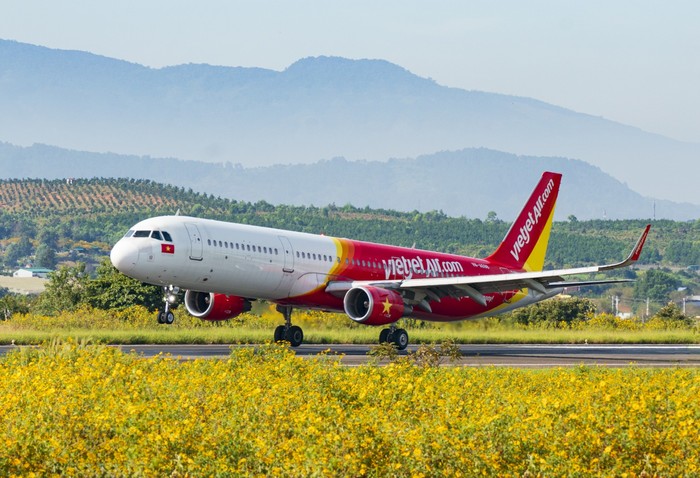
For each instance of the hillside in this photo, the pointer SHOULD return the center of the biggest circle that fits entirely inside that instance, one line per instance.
(97, 212)
(317, 108)
(469, 182)
(41, 197)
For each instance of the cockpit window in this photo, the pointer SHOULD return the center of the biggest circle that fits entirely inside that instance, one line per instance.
(129, 233)
(156, 235)
(142, 233)
(167, 237)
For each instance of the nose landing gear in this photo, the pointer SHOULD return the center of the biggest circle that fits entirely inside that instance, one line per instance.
(169, 298)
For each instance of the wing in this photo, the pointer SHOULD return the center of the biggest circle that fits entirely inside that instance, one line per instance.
(476, 287)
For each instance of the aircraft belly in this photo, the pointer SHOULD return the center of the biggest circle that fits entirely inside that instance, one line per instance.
(242, 275)
(307, 283)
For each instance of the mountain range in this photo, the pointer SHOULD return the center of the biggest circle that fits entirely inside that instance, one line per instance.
(469, 182)
(315, 110)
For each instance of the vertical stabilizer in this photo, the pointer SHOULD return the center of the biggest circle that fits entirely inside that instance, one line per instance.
(525, 244)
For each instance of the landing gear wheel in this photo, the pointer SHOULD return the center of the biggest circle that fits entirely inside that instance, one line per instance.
(169, 298)
(295, 335)
(291, 333)
(399, 337)
(384, 336)
(279, 333)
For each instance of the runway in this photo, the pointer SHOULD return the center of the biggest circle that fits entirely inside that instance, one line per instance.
(517, 355)
(532, 356)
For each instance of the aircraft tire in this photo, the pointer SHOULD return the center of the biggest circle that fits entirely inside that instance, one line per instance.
(279, 333)
(399, 338)
(161, 317)
(295, 335)
(384, 336)
(169, 318)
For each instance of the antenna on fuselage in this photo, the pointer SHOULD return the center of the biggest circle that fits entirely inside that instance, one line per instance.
(177, 213)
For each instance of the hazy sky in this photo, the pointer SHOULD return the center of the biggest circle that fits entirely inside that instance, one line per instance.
(632, 61)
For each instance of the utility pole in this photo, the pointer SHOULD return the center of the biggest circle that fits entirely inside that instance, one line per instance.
(647, 314)
(615, 305)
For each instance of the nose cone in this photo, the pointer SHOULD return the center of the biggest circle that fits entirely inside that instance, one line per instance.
(124, 256)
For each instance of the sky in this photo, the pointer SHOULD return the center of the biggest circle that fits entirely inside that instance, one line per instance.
(631, 61)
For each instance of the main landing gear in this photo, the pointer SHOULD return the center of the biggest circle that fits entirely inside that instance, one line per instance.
(170, 298)
(398, 337)
(291, 333)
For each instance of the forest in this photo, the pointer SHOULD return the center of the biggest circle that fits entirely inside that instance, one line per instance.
(51, 218)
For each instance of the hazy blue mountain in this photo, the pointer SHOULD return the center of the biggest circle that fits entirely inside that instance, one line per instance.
(470, 182)
(317, 108)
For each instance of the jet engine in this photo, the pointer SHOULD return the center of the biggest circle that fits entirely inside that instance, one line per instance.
(373, 305)
(208, 306)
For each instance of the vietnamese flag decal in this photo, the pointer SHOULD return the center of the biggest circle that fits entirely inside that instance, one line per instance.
(167, 248)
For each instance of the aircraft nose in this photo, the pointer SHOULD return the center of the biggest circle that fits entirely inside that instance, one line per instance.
(124, 256)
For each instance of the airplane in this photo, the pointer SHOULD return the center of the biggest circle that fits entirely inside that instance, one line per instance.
(223, 267)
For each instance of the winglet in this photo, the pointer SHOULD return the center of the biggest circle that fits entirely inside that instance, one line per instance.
(634, 255)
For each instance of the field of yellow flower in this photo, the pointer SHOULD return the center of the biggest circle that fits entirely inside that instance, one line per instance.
(79, 410)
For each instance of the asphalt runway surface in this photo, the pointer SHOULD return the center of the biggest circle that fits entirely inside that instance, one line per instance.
(527, 356)
(480, 355)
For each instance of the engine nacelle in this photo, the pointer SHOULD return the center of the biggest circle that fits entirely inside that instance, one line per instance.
(373, 305)
(208, 306)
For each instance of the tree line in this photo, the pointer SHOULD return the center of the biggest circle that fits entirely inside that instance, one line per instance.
(35, 230)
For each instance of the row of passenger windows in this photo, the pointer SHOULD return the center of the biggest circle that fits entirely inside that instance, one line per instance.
(311, 256)
(316, 257)
(160, 235)
(243, 247)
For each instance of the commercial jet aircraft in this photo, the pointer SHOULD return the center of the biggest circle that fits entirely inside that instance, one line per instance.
(225, 266)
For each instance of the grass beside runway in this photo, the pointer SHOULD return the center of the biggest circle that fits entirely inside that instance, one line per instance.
(138, 326)
(165, 335)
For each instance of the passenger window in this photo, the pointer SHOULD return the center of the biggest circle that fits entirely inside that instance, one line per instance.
(209, 242)
(226, 244)
(298, 254)
(142, 233)
(247, 247)
(259, 249)
(276, 253)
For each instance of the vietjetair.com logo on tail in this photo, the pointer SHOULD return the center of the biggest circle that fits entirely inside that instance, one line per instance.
(525, 243)
(533, 219)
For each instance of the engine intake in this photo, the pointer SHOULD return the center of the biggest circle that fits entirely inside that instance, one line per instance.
(209, 306)
(373, 305)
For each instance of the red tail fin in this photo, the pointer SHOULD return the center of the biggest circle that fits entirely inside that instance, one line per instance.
(525, 244)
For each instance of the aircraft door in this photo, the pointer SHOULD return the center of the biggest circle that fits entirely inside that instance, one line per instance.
(196, 245)
(288, 254)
